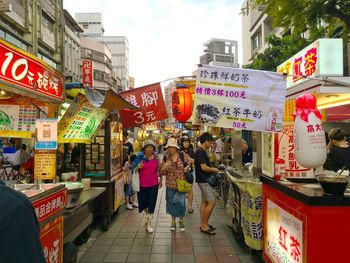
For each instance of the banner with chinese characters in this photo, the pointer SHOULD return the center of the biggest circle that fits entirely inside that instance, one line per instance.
(87, 73)
(283, 236)
(324, 57)
(51, 237)
(80, 122)
(239, 98)
(150, 99)
(29, 73)
(285, 142)
(18, 120)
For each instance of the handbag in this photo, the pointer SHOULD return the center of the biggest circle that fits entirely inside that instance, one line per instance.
(189, 176)
(183, 186)
(135, 181)
(213, 180)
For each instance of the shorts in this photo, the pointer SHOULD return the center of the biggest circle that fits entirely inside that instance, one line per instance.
(207, 192)
(127, 190)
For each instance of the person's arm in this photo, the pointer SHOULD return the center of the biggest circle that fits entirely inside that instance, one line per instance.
(204, 166)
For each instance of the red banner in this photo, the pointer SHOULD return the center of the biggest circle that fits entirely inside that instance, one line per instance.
(51, 237)
(150, 99)
(28, 72)
(50, 205)
(87, 73)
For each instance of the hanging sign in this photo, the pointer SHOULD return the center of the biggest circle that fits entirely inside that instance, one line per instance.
(46, 134)
(324, 57)
(150, 99)
(284, 235)
(51, 237)
(87, 73)
(239, 98)
(28, 72)
(81, 121)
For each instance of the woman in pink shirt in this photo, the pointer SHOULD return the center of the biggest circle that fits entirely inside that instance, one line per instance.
(149, 184)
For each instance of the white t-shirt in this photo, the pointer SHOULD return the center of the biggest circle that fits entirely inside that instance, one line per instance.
(17, 157)
(218, 146)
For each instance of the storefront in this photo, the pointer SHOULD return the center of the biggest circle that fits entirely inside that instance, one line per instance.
(32, 90)
(300, 222)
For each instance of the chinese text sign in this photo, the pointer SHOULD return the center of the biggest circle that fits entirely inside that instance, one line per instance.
(284, 241)
(87, 73)
(239, 98)
(150, 99)
(21, 69)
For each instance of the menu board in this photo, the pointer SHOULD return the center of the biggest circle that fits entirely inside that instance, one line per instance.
(80, 122)
(19, 119)
(45, 165)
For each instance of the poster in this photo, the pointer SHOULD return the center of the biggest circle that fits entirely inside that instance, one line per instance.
(46, 134)
(80, 122)
(284, 235)
(150, 99)
(51, 237)
(286, 152)
(45, 165)
(239, 98)
(87, 73)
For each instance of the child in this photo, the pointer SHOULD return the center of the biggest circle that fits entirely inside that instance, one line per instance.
(129, 195)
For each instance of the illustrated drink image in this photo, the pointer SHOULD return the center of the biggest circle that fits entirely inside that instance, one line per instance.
(207, 114)
(274, 120)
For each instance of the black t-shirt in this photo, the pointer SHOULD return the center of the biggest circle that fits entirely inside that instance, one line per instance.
(201, 157)
(19, 229)
(337, 158)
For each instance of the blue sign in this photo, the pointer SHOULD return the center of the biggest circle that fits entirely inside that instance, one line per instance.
(45, 145)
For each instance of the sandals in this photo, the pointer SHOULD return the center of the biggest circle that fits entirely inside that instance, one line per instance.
(209, 231)
(190, 210)
(212, 227)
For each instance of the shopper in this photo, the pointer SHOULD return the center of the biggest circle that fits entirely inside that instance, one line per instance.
(173, 167)
(203, 169)
(19, 229)
(186, 147)
(130, 199)
(146, 164)
(339, 151)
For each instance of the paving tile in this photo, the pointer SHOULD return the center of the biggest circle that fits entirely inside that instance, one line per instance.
(221, 242)
(228, 259)
(224, 250)
(120, 249)
(115, 257)
(126, 235)
(163, 235)
(129, 229)
(144, 235)
(123, 241)
(157, 249)
(182, 250)
(162, 241)
(140, 249)
(93, 257)
(145, 242)
(205, 258)
(138, 258)
(99, 249)
(160, 258)
(201, 243)
(104, 241)
(203, 250)
(183, 258)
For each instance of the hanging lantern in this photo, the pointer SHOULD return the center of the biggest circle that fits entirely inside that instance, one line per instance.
(181, 103)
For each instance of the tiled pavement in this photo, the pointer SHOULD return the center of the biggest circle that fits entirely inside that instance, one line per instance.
(127, 241)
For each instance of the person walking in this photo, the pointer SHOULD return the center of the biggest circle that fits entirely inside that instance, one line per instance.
(203, 169)
(173, 167)
(130, 201)
(186, 147)
(146, 164)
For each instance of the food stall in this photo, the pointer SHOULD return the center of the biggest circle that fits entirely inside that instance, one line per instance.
(300, 222)
(30, 90)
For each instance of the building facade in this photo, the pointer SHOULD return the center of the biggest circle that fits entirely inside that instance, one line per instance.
(36, 27)
(100, 55)
(72, 65)
(220, 52)
(92, 24)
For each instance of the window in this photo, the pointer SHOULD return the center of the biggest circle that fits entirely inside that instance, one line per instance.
(256, 41)
(46, 22)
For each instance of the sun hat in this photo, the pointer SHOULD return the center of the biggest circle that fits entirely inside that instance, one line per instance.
(149, 143)
(172, 142)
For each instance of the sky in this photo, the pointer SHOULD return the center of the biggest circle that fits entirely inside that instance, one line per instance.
(165, 36)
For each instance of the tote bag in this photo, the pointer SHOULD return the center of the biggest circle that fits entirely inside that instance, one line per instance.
(136, 181)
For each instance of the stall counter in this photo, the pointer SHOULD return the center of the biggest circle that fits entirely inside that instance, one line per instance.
(301, 224)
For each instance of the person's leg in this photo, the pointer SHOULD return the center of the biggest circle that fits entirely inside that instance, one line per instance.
(202, 210)
(207, 213)
(190, 200)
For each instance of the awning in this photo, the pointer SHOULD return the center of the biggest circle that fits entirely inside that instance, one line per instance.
(111, 101)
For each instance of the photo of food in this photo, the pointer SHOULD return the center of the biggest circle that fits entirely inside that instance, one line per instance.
(207, 114)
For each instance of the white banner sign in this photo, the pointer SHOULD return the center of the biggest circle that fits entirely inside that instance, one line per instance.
(239, 98)
(284, 235)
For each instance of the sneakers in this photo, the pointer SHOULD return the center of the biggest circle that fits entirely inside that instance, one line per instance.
(128, 206)
(173, 226)
(182, 225)
(135, 204)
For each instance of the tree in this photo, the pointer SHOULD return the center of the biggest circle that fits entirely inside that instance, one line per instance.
(279, 50)
(309, 15)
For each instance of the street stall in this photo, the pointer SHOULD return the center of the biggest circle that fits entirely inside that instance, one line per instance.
(30, 94)
(302, 222)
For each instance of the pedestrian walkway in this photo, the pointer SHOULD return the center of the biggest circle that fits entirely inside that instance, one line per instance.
(127, 241)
